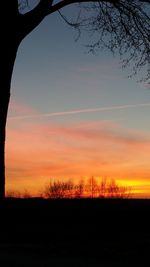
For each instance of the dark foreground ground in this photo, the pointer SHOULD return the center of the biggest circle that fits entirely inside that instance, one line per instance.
(86, 232)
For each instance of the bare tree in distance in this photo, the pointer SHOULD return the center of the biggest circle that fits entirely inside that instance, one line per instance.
(121, 25)
(79, 189)
(93, 188)
(102, 188)
(59, 189)
(111, 189)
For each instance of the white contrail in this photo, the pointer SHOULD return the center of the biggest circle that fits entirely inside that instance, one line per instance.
(76, 111)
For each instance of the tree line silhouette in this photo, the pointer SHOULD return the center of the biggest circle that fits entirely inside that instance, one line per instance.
(93, 188)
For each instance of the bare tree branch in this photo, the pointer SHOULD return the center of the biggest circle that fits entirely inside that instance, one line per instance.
(30, 20)
(118, 25)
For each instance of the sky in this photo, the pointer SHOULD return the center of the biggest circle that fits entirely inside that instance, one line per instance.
(74, 115)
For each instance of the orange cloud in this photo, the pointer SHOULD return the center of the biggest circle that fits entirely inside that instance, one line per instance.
(36, 152)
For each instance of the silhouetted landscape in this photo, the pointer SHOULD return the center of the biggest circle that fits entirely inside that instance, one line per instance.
(74, 232)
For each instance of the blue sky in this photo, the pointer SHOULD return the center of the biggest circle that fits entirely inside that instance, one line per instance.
(53, 73)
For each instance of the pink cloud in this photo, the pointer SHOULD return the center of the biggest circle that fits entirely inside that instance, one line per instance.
(100, 68)
(100, 131)
(17, 108)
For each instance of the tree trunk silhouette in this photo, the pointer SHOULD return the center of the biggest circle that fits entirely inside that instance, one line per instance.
(15, 28)
(4, 101)
(8, 57)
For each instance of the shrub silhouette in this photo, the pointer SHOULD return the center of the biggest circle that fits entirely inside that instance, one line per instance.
(13, 194)
(17, 194)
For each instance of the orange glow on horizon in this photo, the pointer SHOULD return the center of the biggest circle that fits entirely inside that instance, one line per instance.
(38, 151)
(137, 188)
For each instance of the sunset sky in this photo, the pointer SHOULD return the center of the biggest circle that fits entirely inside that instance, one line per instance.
(74, 115)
